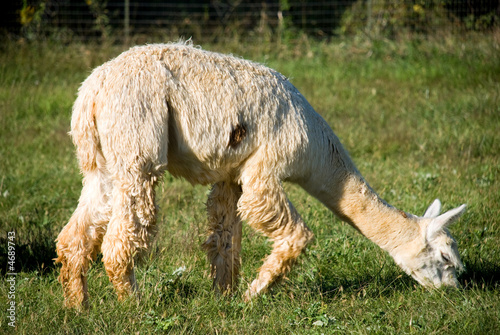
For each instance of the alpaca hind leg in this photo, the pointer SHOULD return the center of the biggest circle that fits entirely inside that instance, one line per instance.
(224, 242)
(80, 240)
(129, 232)
(266, 208)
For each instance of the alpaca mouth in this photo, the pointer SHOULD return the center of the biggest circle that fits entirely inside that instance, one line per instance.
(429, 283)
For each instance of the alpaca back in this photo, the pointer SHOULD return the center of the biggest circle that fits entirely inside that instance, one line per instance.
(213, 95)
(197, 109)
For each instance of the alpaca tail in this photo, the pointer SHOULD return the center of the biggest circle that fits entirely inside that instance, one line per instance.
(84, 130)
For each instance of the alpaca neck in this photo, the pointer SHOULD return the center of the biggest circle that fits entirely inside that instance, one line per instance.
(339, 185)
(360, 206)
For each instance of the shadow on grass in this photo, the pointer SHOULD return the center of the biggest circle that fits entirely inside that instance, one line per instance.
(366, 285)
(485, 275)
(330, 284)
(476, 275)
(35, 255)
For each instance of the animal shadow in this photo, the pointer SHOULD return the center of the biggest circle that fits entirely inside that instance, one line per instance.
(37, 254)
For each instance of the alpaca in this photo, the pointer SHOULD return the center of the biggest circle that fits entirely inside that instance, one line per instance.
(242, 127)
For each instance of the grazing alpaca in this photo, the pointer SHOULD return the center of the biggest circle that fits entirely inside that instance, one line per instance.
(216, 119)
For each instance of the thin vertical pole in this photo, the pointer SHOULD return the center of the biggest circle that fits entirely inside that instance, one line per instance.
(126, 21)
(369, 16)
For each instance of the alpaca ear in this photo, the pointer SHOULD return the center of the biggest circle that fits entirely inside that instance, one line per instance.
(433, 210)
(443, 220)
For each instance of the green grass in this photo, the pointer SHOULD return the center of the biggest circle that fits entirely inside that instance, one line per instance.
(420, 118)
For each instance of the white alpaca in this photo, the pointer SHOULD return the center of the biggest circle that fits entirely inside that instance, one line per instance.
(216, 119)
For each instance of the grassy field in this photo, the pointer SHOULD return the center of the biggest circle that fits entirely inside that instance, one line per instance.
(421, 119)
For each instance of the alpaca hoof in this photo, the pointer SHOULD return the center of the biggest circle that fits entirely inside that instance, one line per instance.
(254, 290)
(76, 304)
(248, 296)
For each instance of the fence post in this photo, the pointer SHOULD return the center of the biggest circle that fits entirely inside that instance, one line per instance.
(368, 15)
(126, 22)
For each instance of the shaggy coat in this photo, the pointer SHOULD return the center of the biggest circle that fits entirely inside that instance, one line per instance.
(242, 127)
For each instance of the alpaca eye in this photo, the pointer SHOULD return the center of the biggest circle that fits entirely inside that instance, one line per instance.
(445, 257)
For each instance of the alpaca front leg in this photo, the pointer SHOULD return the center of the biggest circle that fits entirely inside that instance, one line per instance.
(224, 242)
(266, 208)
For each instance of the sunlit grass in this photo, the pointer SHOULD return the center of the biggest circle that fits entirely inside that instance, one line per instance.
(420, 118)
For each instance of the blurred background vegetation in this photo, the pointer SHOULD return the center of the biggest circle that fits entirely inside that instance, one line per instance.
(216, 20)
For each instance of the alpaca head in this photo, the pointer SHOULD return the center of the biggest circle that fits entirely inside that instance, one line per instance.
(434, 260)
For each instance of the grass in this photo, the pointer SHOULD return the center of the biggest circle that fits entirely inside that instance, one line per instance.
(419, 117)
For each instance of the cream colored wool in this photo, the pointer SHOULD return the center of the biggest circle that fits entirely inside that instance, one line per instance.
(217, 119)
